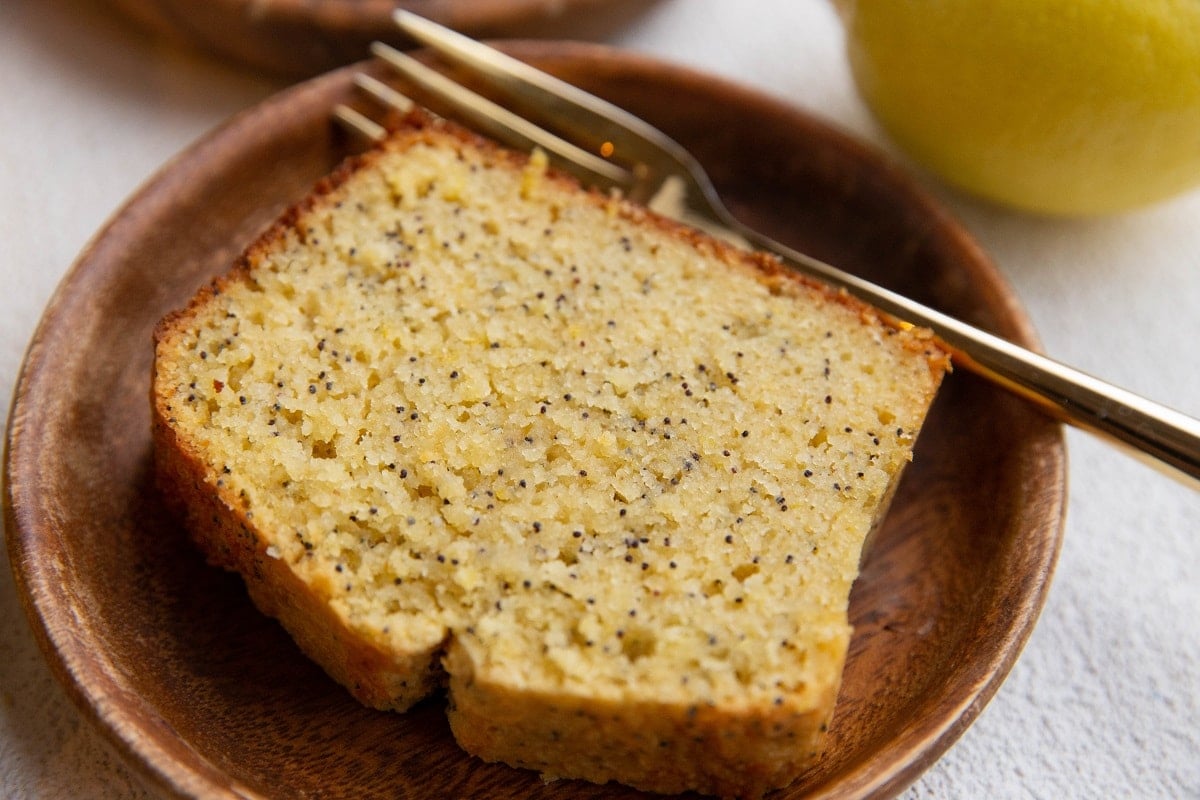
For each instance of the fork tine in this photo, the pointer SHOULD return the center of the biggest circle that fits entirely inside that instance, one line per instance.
(354, 120)
(359, 123)
(596, 123)
(383, 93)
(500, 122)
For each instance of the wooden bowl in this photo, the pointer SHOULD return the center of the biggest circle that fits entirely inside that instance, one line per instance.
(300, 38)
(213, 700)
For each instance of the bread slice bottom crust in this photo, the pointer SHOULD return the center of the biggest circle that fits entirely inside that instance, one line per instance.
(656, 746)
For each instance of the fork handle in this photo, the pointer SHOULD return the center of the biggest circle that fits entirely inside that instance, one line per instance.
(1167, 438)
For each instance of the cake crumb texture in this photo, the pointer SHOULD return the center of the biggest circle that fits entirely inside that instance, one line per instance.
(459, 422)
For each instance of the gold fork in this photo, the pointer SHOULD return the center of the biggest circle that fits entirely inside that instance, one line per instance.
(609, 148)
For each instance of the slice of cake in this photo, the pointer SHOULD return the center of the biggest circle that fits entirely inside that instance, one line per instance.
(460, 422)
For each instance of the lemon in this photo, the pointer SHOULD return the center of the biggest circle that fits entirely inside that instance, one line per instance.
(1068, 107)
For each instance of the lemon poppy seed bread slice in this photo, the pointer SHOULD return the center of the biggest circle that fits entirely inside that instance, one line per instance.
(458, 421)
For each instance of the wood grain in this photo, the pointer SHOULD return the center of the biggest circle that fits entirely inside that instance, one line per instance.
(301, 38)
(213, 700)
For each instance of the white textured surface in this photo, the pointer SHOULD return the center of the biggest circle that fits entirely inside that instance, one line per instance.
(1105, 700)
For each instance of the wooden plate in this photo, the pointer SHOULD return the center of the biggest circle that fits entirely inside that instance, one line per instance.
(213, 700)
(305, 37)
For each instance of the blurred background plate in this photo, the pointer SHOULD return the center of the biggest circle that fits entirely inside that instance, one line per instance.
(211, 699)
(300, 38)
